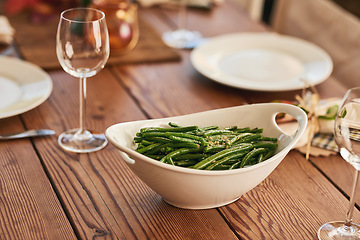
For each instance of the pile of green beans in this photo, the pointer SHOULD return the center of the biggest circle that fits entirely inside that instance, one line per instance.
(209, 148)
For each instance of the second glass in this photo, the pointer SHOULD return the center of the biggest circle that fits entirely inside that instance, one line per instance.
(347, 137)
(82, 48)
(182, 38)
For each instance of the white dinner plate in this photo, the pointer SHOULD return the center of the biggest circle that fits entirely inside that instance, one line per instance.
(262, 61)
(23, 86)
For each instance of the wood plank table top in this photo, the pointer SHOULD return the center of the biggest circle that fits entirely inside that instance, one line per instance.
(47, 193)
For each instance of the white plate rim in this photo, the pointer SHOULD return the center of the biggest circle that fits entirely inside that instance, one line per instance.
(33, 72)
(198, 58)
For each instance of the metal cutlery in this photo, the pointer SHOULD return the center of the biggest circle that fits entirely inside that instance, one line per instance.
(27, 133)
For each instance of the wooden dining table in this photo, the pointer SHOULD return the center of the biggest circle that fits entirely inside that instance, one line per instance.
(49, 193)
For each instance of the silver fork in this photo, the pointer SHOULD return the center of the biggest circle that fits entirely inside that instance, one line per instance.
(27, 133)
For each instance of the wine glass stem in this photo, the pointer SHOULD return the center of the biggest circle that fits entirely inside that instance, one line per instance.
(350, 211)
(82, 103)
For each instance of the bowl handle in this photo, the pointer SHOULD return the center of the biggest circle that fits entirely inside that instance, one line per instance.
(126, 158)
(297, 113)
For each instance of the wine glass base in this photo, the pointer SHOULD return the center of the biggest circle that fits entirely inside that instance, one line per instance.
(337, 230)
(81, 142)
(182, 38)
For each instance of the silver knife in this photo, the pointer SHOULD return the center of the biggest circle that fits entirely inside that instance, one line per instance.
(27, 133)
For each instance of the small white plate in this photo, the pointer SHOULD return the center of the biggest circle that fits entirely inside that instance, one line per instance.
(23, 86)
(262, 61)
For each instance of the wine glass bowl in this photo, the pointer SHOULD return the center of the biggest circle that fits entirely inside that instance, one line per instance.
(347, 130)
(82, 48)
(182, 38)
(347, 137)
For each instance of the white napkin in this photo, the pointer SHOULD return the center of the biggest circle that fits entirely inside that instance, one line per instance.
(6, 31)
(325, 126)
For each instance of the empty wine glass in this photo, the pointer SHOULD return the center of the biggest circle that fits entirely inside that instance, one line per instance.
(182, 37)
(82, 47)
(347, 137)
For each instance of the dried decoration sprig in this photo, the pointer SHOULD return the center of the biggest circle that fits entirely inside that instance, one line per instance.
(309, 101)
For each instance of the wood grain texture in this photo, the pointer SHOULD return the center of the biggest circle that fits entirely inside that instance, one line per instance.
(339, 171)
(186, 90)
(29, 208)
(297, 201)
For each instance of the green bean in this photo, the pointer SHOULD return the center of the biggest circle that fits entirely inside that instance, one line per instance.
(156, 157)
(252, 161)
(204, 129)
(170, 160)
(210, 148)
(171, 124)
(207, 161)
(153, 134)
(268, 155)
(189, 156)
(147, 148)
(187, 135)
(238, 137)
(214, 139)
(225, 160)
(250, 155)
(260, 158)
(171, 129)
(249, 138)
(162, 148)
(235, 165)
(269, 139)
(256, 130)
(146, 142)
(172, 146)
(233, 128)
(138, 139)
(233, 160)
(216, 132)
(185, 162)
(158, 139)
(183, 139)
(214, 148)
(141, 145)
(178, 152)
(175, 145)
(184, 145)
(269, 145)
(242, 130)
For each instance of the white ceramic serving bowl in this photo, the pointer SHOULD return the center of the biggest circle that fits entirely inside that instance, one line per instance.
(201, 189)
